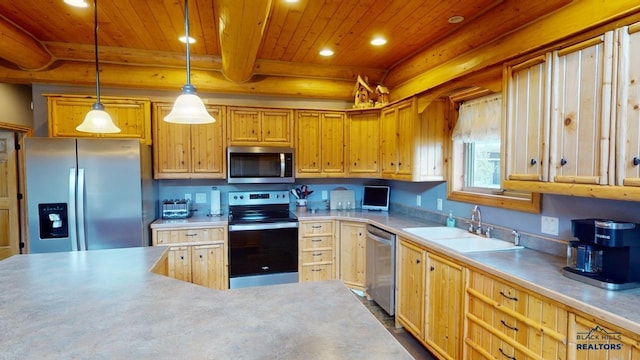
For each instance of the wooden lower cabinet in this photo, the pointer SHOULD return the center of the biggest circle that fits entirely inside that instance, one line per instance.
(353, 253)
(593, 339)
(410, 287)
(197, 255)
(316, 254)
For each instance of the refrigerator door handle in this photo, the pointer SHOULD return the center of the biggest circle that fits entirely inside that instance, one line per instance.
(82, 241)
(72, 210)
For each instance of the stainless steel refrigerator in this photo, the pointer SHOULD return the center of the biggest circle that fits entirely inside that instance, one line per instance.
(88, 194)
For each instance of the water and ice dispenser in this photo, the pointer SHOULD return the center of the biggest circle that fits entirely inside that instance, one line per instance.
(53, 221)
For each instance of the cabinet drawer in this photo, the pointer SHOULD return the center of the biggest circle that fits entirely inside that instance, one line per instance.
(165, 237)
(316, 227)
(316, 272)
(316, 256)
(316, 242)
(502, 293)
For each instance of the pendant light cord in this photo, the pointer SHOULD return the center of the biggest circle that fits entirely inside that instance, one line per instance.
(186, 33)
(95, 39)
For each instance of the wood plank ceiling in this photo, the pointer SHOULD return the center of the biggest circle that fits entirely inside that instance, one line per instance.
(249, 44)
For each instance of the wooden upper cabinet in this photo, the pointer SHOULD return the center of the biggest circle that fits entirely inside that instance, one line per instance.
(319, 144)
(131, 115)
(581, 112)
(628, 112)
(260, 127)
(389, 141)
(528, 104)
(363, 143)
(189, 151)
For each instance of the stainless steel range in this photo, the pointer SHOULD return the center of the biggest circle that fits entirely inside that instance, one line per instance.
(263, 239)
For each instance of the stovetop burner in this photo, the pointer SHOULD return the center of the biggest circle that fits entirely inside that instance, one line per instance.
(259, 207)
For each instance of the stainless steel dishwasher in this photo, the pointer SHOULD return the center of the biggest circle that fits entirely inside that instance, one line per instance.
(381, 267)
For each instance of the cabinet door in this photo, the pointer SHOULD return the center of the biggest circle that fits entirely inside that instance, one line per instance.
(528, 98)
(244, 126)
(308, 143)
(427, 164)
(363, 144)
(208, 146)
(581, 104)
(628, 115)
(591, 340)
(407, 137)
(179, 263)
(332, 144)
(353, 254)
(388, 141)
(410, 288)
(276, 126)
(445, 296)
(208, 266)
(132, 116)
(171, 147)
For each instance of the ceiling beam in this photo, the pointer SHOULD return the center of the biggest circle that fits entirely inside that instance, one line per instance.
(241, 25)
(20, 48)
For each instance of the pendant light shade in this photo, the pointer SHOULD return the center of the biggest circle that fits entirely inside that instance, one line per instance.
(188, 108)
(97, 120)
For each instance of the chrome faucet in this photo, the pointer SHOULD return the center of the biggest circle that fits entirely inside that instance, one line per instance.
(476, 215)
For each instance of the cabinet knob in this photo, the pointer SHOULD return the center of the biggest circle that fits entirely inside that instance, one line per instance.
(533, 162)
(417, 261)
(391, 164)
(399, 164)
(636, 161)
(563, 162)
(432, 268)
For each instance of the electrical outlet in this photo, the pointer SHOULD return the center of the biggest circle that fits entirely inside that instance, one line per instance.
(325, 195)
(187, 196)
(549, 225)
(201, 198)
(418, 200)
(439, 204)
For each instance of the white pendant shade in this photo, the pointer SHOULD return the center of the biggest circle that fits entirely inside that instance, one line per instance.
(98, 121)
(189, 109)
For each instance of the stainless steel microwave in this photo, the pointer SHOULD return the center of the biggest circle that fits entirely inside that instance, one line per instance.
(259, 164)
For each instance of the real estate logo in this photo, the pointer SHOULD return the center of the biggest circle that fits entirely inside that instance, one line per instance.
(598, 339)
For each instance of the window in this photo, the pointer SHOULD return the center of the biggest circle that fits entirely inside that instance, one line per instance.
(476, 156)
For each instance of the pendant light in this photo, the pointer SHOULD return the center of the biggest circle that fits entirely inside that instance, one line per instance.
(188, 108)
(97, 120)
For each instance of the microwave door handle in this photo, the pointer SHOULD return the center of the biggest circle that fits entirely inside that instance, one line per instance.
(282, 165)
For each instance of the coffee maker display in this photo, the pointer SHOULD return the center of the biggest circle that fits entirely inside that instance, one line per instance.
(606, 254)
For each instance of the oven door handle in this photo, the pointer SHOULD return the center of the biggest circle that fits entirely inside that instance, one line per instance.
(263, 226)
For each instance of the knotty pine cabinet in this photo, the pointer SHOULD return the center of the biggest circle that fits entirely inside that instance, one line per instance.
(189, 151)
(410, 285)
(317, 250)
(363, 144)
(197, 255)
(131, 115)
(353, 254)
(320, 144)
(594, 339)
(260, 126)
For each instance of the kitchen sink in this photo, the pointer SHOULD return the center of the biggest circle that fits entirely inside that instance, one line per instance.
(460, 240)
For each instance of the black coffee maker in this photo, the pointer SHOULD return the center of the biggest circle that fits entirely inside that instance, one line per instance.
(606, 254)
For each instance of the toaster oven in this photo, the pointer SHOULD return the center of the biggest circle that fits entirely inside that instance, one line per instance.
(176, 209)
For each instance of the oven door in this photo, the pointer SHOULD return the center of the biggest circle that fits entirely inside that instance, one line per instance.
(263, 254)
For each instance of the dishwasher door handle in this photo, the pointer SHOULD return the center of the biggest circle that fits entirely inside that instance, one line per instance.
(379, 239)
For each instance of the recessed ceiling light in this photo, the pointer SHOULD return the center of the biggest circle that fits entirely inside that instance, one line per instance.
(291, 1)
(184, 40)
(326, 52)
(76, 3)
(456, 19)
(378, 41)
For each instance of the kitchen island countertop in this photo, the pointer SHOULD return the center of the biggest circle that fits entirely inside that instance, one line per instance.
(105, 304)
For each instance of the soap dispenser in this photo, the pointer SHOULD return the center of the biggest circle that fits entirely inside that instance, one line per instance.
(451, 222)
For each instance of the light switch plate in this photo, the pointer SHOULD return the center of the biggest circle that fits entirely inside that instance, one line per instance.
(418, 200)
(549, 225)
(325, 195)
(201, 198)
(439, 204)
(187, 196)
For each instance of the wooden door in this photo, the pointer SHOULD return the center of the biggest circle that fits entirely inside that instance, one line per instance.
(628, 115)
(410, 287)
(581, 103)
(208, 266)
(308, 143)
(528, 102)
(332, 144)
(171, 146)
(353, 254)
(179, 262)
(445, 306)
(407, 137)
(9, 223)
(276, 126)
(244, 126)
(363, 144)
(208, 147)
(388, 141)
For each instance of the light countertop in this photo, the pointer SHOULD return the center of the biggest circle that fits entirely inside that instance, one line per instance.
(105, 304)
